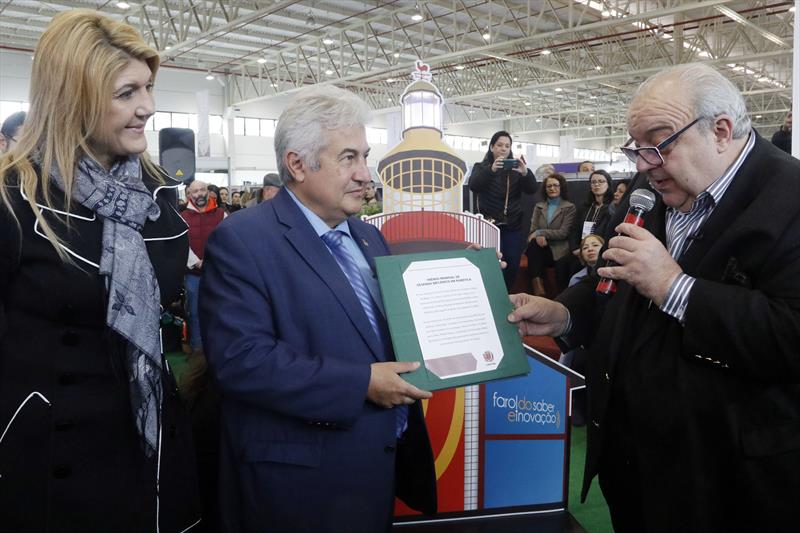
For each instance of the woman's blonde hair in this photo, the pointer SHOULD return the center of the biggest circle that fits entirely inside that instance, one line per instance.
(75, 65)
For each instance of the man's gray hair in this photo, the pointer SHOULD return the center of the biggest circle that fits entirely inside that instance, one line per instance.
(711, 94)
(301, 127)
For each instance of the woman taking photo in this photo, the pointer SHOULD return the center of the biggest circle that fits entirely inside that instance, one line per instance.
(93, 435)
(499, 181)
(548, 240)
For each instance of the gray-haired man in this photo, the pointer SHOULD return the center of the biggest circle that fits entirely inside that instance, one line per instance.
(315, 418)
(694, 371)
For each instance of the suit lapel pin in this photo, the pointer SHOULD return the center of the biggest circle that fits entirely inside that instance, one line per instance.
(365, 243)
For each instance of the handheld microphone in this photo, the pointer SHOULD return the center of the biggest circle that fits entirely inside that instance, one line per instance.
(642, 201)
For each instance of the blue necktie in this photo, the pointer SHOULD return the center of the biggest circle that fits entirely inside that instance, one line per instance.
(348, 265)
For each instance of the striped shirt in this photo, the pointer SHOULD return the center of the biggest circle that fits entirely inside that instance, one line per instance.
(682, 226)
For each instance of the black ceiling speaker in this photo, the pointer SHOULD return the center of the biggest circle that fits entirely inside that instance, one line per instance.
(176, 153)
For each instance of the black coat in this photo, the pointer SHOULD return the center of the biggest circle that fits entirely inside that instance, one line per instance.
(600, 217)
(708, 411)
(71, 459)
(783, 140)
(492, 188)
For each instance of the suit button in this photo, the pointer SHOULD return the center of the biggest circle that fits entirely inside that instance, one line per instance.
(595, 423)
(70, 338)
(66, 379)
(63, 425)
(62, 472)
(608, 378)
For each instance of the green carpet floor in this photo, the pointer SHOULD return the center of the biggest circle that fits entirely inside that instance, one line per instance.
(592, 515)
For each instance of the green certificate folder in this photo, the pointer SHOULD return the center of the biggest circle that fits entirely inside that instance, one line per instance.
(447, 310)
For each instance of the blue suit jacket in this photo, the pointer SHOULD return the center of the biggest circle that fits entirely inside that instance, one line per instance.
(290, 347)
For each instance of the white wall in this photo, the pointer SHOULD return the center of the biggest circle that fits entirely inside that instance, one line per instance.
(15, 75)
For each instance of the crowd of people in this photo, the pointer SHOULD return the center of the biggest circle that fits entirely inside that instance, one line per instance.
(293, 414)
(557, 225)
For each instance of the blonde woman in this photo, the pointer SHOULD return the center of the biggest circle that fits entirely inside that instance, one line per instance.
(93, 436)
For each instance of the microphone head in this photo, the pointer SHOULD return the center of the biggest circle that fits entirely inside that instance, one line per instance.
(644, 199)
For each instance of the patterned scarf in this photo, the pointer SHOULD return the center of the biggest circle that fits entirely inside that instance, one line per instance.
(124, 204)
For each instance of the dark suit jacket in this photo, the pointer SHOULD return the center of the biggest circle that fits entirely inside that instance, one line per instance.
(290, 347)
(708, 411)
(75, 463)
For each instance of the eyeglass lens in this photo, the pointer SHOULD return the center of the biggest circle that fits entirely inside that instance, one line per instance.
(649, 154)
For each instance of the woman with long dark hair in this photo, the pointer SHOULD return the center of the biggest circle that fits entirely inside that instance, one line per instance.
(594, 214)
(499, 181)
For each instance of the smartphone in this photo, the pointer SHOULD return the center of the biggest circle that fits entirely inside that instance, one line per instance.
(510, 163)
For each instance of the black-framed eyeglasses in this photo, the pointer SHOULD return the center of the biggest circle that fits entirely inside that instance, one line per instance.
(652, 154)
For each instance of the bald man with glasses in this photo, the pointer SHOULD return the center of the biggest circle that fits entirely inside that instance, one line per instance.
(694, 366)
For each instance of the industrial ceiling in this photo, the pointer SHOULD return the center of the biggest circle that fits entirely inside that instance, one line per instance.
(541, 66)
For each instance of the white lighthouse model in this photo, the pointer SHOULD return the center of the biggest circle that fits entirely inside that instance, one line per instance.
(421, 172)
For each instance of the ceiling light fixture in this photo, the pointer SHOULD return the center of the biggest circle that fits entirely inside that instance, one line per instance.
(327, 41)
(123, 5)
(417, 16)
(598, 67)
(209, 76)
(487, 35)
(329, 72)
(559, 89)
(546, 52)
(459, 67)
(396, 54)
(261, 60)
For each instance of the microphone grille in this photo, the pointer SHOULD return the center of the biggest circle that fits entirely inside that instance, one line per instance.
(643, 199)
